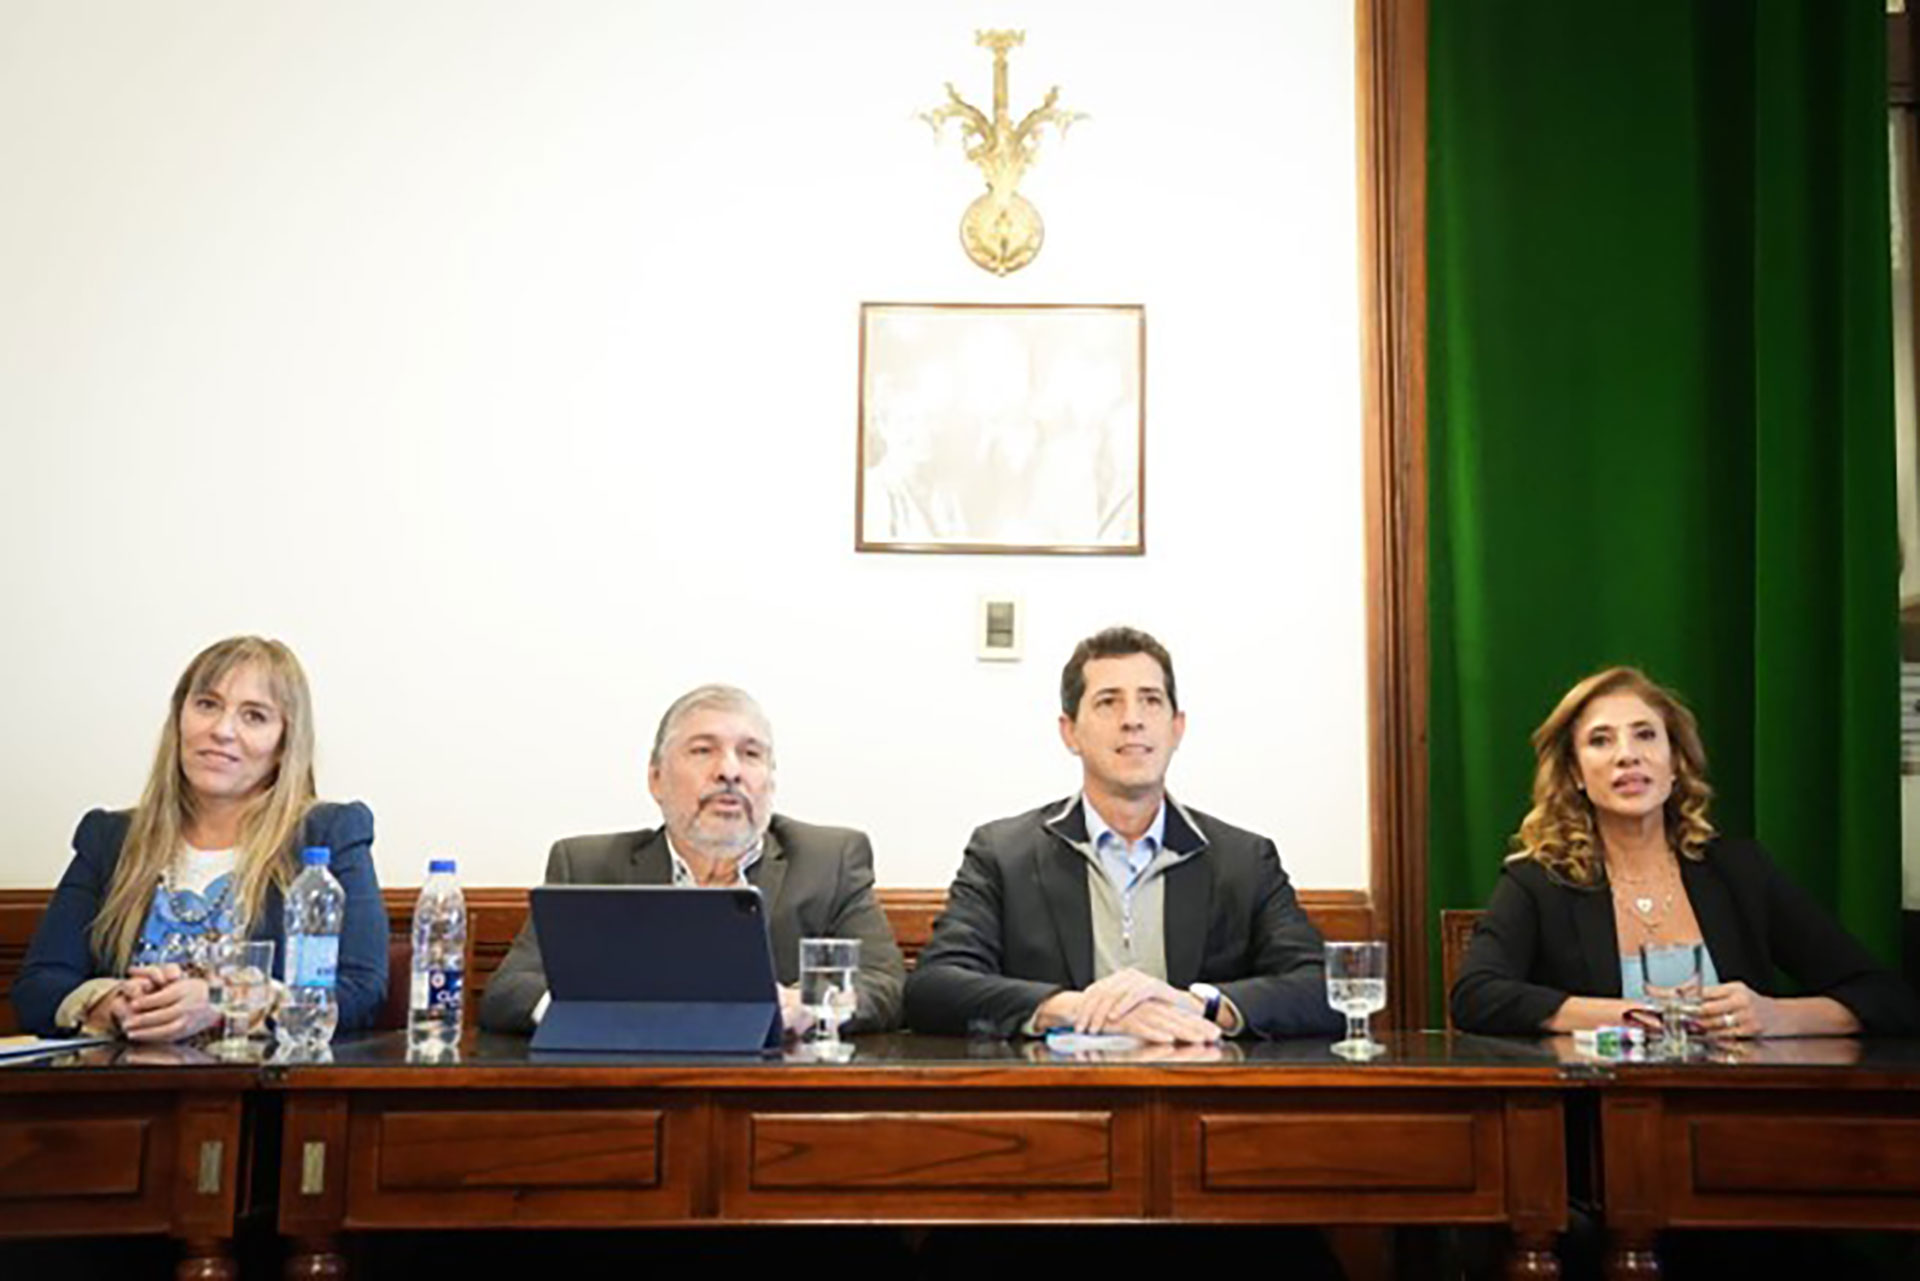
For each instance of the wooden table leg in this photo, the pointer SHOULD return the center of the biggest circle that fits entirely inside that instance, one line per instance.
(1632, 1257)
(206, 1259)
(206, 1165)
(1532, 1257)
(1536, 1139)
(315, 1259)
(1631, 1122)
(313, 1195)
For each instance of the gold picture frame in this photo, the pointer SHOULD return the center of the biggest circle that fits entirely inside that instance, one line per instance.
(1002, 428)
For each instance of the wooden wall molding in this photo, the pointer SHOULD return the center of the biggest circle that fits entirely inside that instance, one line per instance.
(494, 916)
(19, 913)
(1391, 41)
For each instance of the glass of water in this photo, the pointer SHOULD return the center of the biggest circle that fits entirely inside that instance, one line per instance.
(827, 967)
(1357, 987)
(1673, 975)
(240, 980)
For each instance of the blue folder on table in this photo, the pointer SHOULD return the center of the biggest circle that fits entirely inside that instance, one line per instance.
(654, 969)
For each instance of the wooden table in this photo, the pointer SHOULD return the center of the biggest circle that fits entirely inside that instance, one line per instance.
(924, 1131)
(127, 1140)
(1820, 1133)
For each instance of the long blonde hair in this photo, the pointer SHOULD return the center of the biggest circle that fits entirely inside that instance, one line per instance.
(269, 827)
(1559, 830)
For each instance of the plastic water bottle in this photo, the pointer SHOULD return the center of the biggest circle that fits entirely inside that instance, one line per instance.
(439, 959)
(315, 906)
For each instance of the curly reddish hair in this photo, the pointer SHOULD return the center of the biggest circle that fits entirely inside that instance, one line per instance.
(1559, 830)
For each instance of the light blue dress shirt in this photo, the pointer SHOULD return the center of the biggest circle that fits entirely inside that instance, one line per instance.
(1633, 984)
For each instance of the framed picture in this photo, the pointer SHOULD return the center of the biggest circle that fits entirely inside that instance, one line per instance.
(1002, 428)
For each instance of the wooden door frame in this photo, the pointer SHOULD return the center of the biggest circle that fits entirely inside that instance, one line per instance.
(1391, 45)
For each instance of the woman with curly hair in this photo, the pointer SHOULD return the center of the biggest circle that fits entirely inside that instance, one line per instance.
(1618, 852)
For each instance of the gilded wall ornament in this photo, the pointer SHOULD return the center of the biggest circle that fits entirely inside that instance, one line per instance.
(1001, 230)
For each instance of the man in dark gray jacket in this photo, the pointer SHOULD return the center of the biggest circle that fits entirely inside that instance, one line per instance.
(712, 775)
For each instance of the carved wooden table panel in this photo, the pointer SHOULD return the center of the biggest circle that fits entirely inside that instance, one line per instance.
(921, 1131)
(1819, 1133)
(119, 1140)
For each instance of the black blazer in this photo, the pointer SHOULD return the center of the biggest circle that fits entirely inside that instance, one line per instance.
(1018, 927)
(1543, 939)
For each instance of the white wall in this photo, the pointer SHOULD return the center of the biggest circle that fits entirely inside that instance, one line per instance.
(501, 357)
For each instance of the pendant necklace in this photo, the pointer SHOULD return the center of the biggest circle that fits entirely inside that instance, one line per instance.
(1652, 911)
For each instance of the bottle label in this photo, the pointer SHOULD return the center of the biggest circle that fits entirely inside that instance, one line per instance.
(313, 960)
(435, 989)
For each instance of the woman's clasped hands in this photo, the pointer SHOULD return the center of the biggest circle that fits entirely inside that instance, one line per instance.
(156, 1003)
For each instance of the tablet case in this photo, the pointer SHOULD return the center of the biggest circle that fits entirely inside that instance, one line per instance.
(655, 969)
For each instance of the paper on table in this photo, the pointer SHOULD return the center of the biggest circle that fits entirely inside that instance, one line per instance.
(1062, 1041)
(15, 1048)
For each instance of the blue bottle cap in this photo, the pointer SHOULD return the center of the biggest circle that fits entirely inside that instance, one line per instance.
(439, 865)
(316, 854)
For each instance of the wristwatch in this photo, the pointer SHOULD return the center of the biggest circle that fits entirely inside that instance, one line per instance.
(1210, 997)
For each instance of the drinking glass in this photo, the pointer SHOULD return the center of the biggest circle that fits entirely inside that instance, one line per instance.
(827, 967)
(1357, 987)
(240, 982)
(1671, 973)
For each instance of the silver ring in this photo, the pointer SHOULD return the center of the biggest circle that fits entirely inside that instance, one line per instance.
(1727, 1020)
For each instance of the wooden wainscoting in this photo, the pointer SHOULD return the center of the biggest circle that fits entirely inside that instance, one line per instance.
(494, 916)
(19, 914)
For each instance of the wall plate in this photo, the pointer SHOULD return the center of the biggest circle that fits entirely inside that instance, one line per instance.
(999, 629)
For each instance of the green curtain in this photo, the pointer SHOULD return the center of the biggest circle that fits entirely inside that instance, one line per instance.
(1660, 420)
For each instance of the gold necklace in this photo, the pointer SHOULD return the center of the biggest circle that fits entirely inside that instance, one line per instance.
(1652, 906)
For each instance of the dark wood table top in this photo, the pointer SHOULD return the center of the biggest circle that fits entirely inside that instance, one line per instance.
(125, 1066)
(1805, 1063)
(1430, 1059)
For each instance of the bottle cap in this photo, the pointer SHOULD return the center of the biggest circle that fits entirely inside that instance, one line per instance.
(316, 854)
(439, 865)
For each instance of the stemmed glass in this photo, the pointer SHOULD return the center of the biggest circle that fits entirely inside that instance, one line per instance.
(1357, 987)
(240, 983)
(827, 967)
(1673, 976)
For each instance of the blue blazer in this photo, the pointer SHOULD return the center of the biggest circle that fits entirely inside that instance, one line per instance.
(60, 958)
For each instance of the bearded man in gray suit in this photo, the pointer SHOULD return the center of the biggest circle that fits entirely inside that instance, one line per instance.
(711, 773)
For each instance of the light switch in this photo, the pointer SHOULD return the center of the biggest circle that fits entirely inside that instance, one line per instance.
(999, 627)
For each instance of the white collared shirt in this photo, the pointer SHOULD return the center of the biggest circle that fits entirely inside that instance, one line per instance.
(683, 877)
